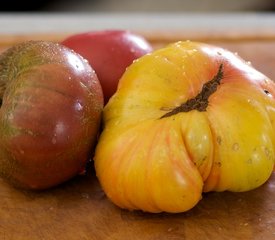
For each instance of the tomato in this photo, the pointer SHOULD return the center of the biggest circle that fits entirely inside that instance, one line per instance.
(109, 52)
(188, 118)
(50, 114)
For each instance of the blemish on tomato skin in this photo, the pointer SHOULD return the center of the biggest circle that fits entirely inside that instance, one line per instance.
(249, 161)
(218, 164)
(267, 93)
(219, 140)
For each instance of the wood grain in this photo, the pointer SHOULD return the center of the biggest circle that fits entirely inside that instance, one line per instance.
(79, 209)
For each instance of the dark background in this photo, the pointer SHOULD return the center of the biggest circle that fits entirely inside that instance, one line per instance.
(135, 5)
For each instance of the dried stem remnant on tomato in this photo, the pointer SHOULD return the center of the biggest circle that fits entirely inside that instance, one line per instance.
(199, 102)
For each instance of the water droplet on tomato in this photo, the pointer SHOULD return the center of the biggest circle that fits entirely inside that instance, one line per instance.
(117, 122)
(54, 140)
(10, 116)
(132, 50)
(235, 147)
(85, 195)
(267, 152)
(78, 106)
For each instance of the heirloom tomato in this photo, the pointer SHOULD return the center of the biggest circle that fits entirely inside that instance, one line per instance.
(51, 103)
(109, 52)
(188, 118)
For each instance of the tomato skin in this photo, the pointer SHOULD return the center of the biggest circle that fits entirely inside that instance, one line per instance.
(50, 114)
(153, 163)
(109, 52)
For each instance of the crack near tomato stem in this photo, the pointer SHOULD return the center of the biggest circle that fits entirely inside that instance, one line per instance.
(199, 102)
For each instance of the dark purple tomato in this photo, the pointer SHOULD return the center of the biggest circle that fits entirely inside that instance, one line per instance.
(49, 116)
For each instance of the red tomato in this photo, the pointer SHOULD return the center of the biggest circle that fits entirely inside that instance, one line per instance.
(109, 53)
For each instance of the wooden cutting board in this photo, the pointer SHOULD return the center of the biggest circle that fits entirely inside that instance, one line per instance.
(80, 210)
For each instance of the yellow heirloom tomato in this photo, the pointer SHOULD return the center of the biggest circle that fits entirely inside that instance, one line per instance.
(186, 119)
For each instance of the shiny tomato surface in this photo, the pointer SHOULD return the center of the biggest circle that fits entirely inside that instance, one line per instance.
(109, 52)
(50, 114)
(188, 118)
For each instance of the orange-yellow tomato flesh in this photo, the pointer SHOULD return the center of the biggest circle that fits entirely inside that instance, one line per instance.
(147, 162)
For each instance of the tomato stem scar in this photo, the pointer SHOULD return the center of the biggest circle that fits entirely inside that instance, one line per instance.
(199, 102)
